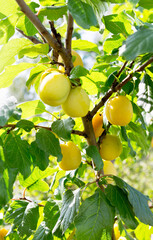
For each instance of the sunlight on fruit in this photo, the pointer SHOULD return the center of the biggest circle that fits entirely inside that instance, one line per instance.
(54, 88)
(116, 231)
(77, 61)
(122, 238)
(110, 147)
(77, 104)
(3, 233)
(109, 168)
(119, 110)
(97, 123)
(71, 156)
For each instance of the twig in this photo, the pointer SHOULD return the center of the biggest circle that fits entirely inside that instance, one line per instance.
(47, 36)
(28, 200)
(69, 33)
(31, 38)
(12, 126)
(142, 67)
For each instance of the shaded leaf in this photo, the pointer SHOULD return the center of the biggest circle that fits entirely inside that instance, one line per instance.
(95, 215)
(138, 201)
(93, 152)
(16, 152)
(25, 124)
(53, 12)
(69, 209)
(47, 142)
(43, 232)
(63, 128)
(119, 200)
(82, 13)
(134, 45)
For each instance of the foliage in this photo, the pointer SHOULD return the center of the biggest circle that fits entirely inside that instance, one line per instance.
(83, 203)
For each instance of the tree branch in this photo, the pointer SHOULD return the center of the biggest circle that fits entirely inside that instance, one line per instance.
(69, 33)
(13, 126)
(31, 38)
(47, 36)
(119, 86)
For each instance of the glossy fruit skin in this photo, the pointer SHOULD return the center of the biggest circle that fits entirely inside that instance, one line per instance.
(122, 238)
(110, 147)
(77, 103)
(119, 110)
(97, 123)
(54, 88)
(71, 156)
(77, 62)
(116, 231)
(3, 233)
(109, 168)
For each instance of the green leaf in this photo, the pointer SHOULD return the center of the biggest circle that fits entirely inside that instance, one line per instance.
(35, 74)
(24, 216)
(99, 7)
(7, 27)
(43, 232)
(63, 128)
(95, 215)
(116, 23)
(85, 45)
(134, 46)
(125, 137)
(143, 232)
(53, 12)
(119, 200)
(47, 142)
(29, 220)
(15, 212)
(93, 152)
(138, 201)
(8, 10)
(7, 77)
(145, 98)
(148, 4)
(113, 43)
(82, 13)
(138, 134)
(31, 108)
(78, 72)
(25, 124)
(10, 50)
(51, 213)
(7, 110)
(34, 51)
(40, 158)
(21, 160)
(35, 182)
(69, 209)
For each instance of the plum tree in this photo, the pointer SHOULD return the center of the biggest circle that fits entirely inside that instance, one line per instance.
(61, 168)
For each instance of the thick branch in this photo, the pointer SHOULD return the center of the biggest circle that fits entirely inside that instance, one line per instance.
(43, 31)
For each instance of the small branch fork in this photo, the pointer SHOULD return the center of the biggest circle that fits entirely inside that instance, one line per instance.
(47, 36)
